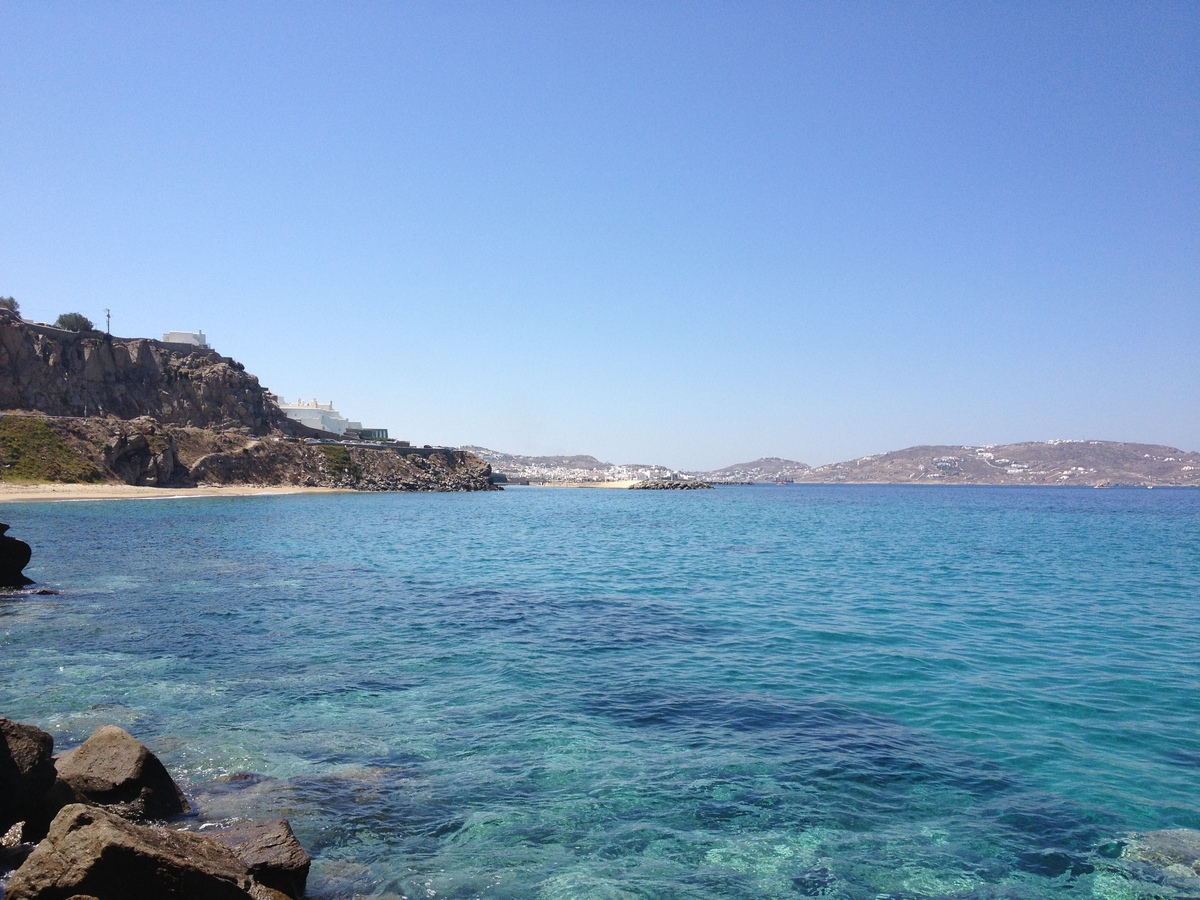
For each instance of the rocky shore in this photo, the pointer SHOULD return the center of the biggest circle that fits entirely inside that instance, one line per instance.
(101, 822)
(146, 452)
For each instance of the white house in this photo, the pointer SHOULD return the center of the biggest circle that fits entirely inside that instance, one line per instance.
(195, 338)
(319, 415)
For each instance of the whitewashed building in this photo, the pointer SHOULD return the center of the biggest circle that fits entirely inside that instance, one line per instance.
(321, 416)
(194, 338)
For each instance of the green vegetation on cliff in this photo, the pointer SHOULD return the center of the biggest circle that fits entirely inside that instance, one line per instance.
(340, 461)
(30, 450)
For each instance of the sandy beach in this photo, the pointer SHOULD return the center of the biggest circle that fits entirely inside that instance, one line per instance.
(24, 493)
(20, 493)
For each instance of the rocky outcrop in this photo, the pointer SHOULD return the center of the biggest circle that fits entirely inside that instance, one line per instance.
(92, 848)
(143, 451)
(26, 774)
(142, 454)
(113, 769)
(93, 852)
(67, 373)
(383, 468)
(14, 557)
(670, 486)
(271, 852)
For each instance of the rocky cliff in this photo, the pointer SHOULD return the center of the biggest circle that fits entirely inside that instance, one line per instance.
(66, 373)
(89, 407)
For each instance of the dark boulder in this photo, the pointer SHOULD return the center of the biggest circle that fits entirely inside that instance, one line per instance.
(26, 772)
(113, 769)
(14, 556)
(92, 852)
(271, 852)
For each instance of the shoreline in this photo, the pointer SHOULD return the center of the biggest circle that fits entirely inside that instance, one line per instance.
(580, 484)
(68, 493)
(76, 493)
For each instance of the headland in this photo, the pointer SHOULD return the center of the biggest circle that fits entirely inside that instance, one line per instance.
(88, 408)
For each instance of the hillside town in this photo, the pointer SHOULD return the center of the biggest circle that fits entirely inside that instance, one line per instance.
(571, 469)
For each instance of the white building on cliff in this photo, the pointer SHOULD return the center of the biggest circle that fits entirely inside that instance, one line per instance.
(193, 338)
(321, 416)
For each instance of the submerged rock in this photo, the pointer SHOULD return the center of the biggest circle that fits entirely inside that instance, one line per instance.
(1175, 850)
(113, 769)
(14, 557)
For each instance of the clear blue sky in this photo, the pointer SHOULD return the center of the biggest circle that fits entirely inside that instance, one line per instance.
(684, 233)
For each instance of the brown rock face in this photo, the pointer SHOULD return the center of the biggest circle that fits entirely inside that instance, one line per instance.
(91, 852)
(271, 852)
(356, 468)
(26, 771)
(146, 456)
(63, 373)
(113, 769)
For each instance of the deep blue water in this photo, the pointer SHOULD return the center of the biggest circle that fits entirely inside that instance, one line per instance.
(857, 692)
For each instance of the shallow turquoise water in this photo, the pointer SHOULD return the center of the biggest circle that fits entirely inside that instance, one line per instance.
(857, 692)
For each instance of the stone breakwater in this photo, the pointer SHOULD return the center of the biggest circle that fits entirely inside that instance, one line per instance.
(97, 814)
(670, 486)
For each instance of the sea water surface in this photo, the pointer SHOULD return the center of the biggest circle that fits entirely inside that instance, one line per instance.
(851, 691)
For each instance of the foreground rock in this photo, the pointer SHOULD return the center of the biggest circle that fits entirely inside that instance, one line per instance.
(271, 852)
(93, 849)
(94, 853)
(26, 776)
(14, 557)
(113, 769)
(670, 486)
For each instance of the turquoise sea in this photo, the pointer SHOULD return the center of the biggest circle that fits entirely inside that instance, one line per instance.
(854, 692)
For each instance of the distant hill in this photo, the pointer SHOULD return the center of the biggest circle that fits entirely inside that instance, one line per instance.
(769, 468)
(1033, 463)
(1030, 463)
